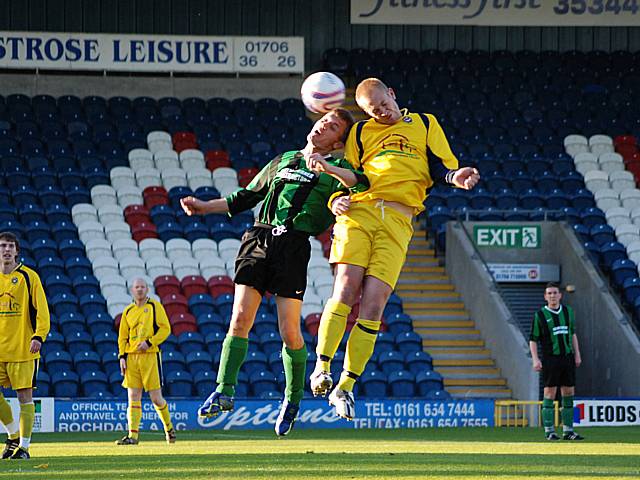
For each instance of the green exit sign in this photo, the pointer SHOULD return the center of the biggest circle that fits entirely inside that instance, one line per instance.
(507, 236)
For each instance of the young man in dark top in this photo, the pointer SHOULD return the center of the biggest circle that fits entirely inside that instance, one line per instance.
(275, 252)
(554, 327)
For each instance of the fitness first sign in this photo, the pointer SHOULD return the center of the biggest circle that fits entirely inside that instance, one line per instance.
(565, 13)
(151, 53)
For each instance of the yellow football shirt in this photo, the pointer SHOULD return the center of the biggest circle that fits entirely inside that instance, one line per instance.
(148, 322)
(24, 314)
(401, 160)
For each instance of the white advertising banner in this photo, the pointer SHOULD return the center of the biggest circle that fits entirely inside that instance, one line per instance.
(45, 413)
(561, 13)
(151, 53)
(606, 413)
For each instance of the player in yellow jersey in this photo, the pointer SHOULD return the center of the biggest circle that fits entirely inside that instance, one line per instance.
(403, 154)
(24, 325)
(143, 327)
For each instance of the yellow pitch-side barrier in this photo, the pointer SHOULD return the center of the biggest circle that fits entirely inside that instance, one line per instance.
(522, 413)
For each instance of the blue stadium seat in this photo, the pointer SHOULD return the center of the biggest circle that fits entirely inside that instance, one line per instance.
(199, 361)
(190, 342)
(631, 289)
(390, 361)
(105, 342)
(65, 231)
(29, 213)
(87, 361)
(622, 270)
(428, 381)
(255, 361)
(224, 304)
(205, 382)
(54, 342)
(213, 341)
(78, 266)
(385, 342)
(179, 383)
(373, 384)
(110, 363)
(593, 250)
(56, 211)
(98, 322)
(418, 362)
(78, 341)
(610, 252)
(394, 305)
(408, 342)
(58, 361)
(398, 323)
(84, 285)
(602, 233)
(262, 381)
(43, 384)
(65, 383)
(201, 305)
(172, 362)
(221, 230)
(265, 323)
(71, 322)
(441, 395)
(592, 216)
(210, 323)
(115, 383)
(270, 343)
(582, 199)
(64, 303)
(556, 199)
(402, 383)
(44, 248)
(92, 303)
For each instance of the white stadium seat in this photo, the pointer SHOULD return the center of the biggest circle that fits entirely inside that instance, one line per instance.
(596, 180)
(627, 233)
(228, 248)
(122, 177)
(83, 212)
(178, 248)
(173, 177)
(158, 146)
(185, 266)
(158, 266)
(600, 139)
(125, 247)
(113, 285)
(600, 148)
(117, 230)
(98, 247)
(204, 244)
(105, 267)
(158, 135)
(148, 177)
(630, 199)
(166, 159)
(129, 196)
(633, 247)
(110, 213)
(617, 216)
(151, 247)
(103, 195)
(622, 180)
(140, 158)
(90, 230)
(212, 266)
(131, 267)
(607, 198)
(199, 177)
(191, 159)
(117, 303)
(575, 140)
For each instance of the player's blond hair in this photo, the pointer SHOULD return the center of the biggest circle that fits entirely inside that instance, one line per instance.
(368, 85)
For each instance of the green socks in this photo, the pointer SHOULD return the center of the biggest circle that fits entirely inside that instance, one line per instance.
(295, 365)
(548, 414)
(234, 351)
(567, 413)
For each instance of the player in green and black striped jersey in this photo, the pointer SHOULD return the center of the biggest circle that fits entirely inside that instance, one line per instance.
(554, 327)
(274, 253)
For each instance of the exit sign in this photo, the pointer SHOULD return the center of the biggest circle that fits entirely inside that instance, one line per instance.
(507, 236)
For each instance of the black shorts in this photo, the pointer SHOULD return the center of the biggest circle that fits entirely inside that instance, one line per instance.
(559, 371)
(274, 263)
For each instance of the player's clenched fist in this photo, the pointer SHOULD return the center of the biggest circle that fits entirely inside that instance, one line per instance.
(341, 205)
(466, 178)
(193, 206)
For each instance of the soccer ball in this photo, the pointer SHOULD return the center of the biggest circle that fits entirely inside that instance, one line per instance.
(322, 91)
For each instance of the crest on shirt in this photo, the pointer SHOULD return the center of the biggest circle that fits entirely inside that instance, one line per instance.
(14, 280)
(407, 119)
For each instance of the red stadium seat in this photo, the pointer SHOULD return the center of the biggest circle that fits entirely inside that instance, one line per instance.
(625, 140)
(174, 303)
(134, 214)
(184, 137)
(167, 285)
(180, 328)
(116, 321)
(245, 175)
(184, 145)
(155, 196)
(193, 285)
(312, 323)
(177, 318)
(143, 230)
(216, 159)
(220, 285)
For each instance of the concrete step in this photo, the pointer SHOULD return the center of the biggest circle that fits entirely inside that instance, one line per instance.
(428, 343)
(474, 382)
(413, 285)
(439, 315)
(440, 363)
(421, 250)
(421, 268)
(430, 304)
(457, 353)
(443, 324)
(421, 261)
(469, 372)
(479, 392)
(448, 333)
(420, 295)
(424, 278)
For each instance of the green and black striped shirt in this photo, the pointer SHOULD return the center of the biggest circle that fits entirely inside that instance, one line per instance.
(293, 195)
(554, 330)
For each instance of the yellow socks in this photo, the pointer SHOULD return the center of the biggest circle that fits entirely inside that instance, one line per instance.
(165, 417)
(27, 417)
(360, 346)
(134, 415)
(332, 326)
(6, 418)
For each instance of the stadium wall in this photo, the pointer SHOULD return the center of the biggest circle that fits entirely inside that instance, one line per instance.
(497, 326)
(296, 17)
(610, 347)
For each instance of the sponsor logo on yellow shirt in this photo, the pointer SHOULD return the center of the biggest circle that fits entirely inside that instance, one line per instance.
(9, 307)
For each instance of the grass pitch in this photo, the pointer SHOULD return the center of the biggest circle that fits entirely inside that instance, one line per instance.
(607, 453)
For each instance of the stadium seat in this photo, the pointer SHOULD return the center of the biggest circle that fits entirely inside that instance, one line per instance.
(65, 383)
(210, 322)
(213, 342)
(428, 381)
(93, 383)
(408, 342)
(105, 342)
(398, 323)
(402, 383)
(373, 384)
(189, 342)
(418, 362)
(58, 361)
(255, 361)
(270, 343)
(173, 361)
(205, 382)
(385, 342)
(390, 361)
(199, 361)
(262, 381)
(179, 383)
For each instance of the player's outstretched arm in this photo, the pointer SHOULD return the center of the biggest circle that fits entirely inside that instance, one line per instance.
(466, 178)
(194, 206)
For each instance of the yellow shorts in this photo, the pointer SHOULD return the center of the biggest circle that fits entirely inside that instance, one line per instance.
(19, 375)
(373, 237)
(144, 370)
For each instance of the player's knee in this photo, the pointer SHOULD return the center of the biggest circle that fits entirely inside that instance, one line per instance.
(25, 395)
(240, 324)
(156, 398)
(292, 339)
